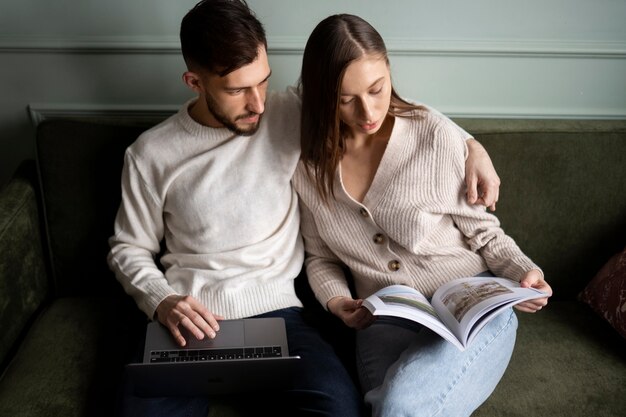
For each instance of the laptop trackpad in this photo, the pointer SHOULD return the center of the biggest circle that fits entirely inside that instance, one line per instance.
(231, 334)
(265, 332)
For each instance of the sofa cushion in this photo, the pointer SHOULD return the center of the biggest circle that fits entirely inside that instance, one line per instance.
(606, 293)
(71, 360)
(566, 362)
(23, 279)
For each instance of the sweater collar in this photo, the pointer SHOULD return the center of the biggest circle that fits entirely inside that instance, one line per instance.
(389, 163)
(196, 129)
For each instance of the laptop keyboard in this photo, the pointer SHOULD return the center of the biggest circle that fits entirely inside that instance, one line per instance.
(214, 354)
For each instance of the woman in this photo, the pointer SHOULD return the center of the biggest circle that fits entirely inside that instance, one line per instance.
(381, 186)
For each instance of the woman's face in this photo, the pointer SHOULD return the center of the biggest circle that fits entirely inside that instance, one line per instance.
(365, 95)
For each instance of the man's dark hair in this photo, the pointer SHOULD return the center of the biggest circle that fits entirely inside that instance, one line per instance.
(220, 36)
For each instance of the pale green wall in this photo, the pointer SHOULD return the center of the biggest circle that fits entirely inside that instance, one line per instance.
(481, 58)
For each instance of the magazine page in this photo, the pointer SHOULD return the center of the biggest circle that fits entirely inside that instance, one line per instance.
(406, 302)
(465, 305)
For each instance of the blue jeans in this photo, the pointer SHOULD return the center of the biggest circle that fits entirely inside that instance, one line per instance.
(408, 370)
(323, 388)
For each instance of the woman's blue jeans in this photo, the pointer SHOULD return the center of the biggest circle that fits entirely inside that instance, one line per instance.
(322, 388)
(408, 370)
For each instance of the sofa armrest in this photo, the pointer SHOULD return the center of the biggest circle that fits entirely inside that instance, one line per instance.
(23, 278)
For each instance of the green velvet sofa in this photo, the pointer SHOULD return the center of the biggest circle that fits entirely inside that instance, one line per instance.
(67, 328)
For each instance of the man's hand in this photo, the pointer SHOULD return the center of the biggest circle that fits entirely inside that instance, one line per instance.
(186, 311)
(351, 312)
(534, 279)
(483, 183)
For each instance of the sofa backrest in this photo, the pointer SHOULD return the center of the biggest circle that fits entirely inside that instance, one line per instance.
(563, 193)
(80, 165)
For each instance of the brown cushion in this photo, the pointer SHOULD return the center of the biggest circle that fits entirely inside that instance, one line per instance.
(606, 293)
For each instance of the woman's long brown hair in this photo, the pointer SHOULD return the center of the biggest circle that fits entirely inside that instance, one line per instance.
(335, 42)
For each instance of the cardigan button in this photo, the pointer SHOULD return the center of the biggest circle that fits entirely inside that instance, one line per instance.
(394, 265)
(364, 212)
(378, 238)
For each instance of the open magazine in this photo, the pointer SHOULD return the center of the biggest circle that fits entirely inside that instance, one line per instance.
(457, 310)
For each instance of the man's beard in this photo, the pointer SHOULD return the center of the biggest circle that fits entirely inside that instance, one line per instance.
(230, 124)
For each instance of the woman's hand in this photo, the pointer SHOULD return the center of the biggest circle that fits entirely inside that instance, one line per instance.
(534, 279)
(351, 312)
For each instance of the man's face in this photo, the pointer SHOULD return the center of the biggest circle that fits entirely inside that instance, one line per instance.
(237, 100)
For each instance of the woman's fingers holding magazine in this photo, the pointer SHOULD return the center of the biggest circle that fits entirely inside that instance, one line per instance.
(351, 312)
(534, 279)
(362, 318)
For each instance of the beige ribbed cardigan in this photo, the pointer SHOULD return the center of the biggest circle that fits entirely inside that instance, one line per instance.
(413, 227)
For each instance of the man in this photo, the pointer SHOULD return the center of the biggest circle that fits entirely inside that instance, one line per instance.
(213, 183)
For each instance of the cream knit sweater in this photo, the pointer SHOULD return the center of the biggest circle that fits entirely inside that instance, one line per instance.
(414, 226)
(225, 207)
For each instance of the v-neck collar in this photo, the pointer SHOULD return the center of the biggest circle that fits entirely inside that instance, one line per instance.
(386, 168)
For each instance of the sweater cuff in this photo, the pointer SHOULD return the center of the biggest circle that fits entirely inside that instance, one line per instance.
(521, 267)
(327, 281)
(156, 292)
(329, 292)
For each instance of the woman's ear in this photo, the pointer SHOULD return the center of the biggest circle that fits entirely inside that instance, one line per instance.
(192, 80)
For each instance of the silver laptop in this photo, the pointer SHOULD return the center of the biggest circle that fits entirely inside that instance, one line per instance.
(247, 355)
